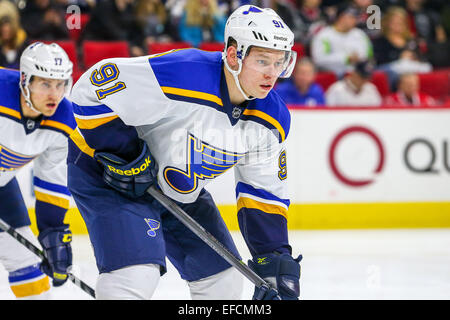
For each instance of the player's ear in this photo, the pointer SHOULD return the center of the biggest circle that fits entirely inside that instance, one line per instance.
(232, 58)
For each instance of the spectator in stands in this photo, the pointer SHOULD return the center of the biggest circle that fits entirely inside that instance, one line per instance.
(287, 10)
(312, 20)
(340, 46)
(202, 22)
(384, 4)
(13, 39)
(300, 89)
(395, 38)
(396, 51)
(362, 5)
(355, 89)
(409, 94)
(152, 16)
(175, 9)
(44, 20)
(427, 26)
(115, 21)
(85, 6)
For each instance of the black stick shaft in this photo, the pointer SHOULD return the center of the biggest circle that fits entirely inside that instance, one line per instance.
(208, 238)
(30, 246)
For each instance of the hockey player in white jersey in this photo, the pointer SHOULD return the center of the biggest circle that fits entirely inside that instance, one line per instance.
(35, 123)
(178, 120)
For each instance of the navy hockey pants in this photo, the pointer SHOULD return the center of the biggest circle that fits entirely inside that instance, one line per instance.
(127, 232)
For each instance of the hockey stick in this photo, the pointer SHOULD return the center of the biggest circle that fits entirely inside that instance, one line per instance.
(30, 246)
(210, 240)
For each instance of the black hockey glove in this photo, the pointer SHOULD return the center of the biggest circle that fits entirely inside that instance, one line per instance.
(131, 179)
(282, 271)
(58, 253)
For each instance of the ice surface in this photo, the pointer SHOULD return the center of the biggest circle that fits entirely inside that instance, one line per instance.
(337, 264)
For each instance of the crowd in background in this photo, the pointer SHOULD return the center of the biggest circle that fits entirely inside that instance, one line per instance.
(413, 38)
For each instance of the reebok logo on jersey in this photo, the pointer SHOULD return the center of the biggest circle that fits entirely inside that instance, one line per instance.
(132, 171)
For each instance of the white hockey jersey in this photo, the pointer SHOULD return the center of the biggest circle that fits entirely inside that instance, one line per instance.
(178, 104)
(43, 141)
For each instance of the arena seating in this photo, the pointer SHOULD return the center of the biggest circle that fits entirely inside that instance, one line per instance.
(211, 46)
(436, 83)
(300, 49)
(158, 47)
(85, 54)
(94, 51)
(325, 79)
(380, 80)
(75, 33)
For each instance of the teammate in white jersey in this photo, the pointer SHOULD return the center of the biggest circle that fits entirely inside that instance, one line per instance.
(35, 123)
(178, 120)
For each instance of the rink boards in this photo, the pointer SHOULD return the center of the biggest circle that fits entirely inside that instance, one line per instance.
(353, 168)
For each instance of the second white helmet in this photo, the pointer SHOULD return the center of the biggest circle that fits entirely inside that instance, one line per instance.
(48, 61)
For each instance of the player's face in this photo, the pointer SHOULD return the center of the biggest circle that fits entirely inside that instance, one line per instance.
(260, 70)
(46, 94)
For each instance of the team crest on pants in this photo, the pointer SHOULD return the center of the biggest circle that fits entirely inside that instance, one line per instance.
(153, 225)
(203, 161)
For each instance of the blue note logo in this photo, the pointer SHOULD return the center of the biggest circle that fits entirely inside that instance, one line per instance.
(153, 225)
(203, 161)
(252, 9)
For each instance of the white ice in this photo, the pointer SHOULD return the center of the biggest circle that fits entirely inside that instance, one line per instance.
(408, 264)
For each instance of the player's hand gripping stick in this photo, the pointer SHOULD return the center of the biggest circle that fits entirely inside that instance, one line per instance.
(266, 291)
(30, 246)
(129, 178)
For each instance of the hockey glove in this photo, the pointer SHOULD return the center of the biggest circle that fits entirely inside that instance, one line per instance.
(58, 253)
(131, 179)
(281, 270)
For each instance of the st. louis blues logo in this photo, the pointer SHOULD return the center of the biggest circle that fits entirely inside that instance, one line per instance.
(203, 161)
(153, 225)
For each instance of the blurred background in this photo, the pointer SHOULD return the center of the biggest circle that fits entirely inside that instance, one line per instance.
(398, 36)
(369, 144)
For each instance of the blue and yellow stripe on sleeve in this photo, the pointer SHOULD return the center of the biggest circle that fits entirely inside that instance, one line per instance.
(52, 202)
(51, 193)
(248, 196)
(262, 219)
(91, 117)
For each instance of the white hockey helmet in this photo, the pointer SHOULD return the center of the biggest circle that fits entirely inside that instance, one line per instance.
(48, 61)
(251, 26)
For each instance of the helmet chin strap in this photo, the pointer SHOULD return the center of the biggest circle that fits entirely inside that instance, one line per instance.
(26, 95)
(235, 74)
